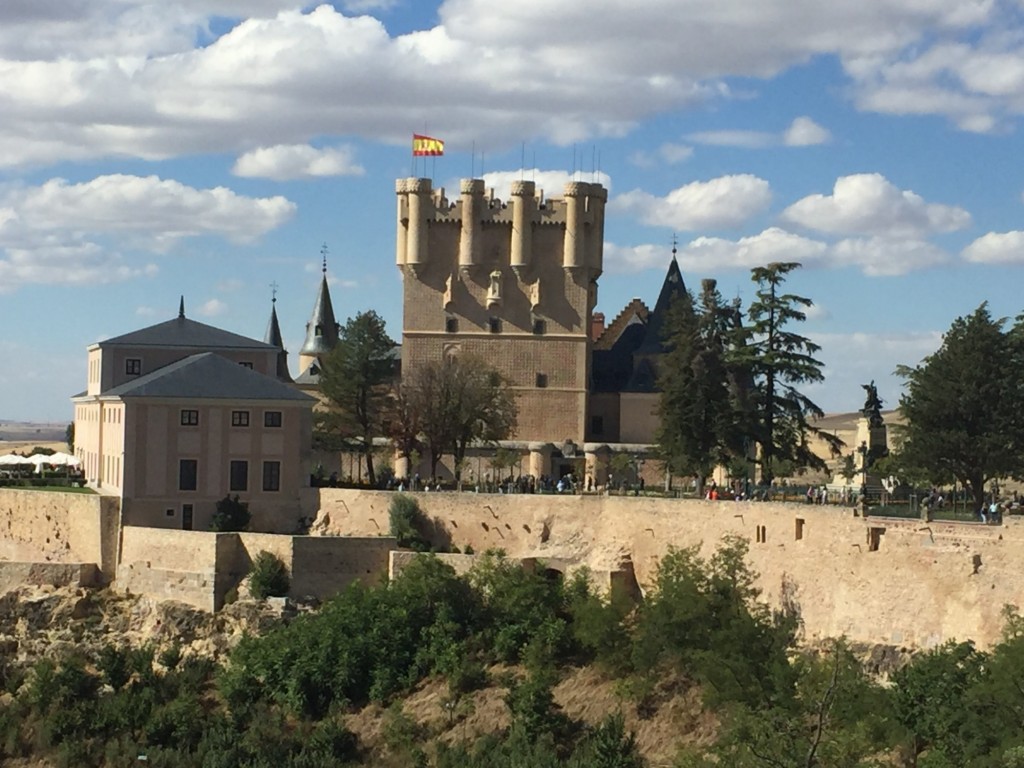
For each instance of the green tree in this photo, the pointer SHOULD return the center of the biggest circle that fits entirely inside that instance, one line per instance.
(268, 576)
(698, 424)
(779, 361)
(963, 405)
(69, 437)
(354, 380)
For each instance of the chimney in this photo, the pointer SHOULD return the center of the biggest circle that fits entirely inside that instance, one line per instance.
(596, 326)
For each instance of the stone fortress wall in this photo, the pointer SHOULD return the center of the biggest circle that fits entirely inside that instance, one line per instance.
(894, 582)
(875, 580)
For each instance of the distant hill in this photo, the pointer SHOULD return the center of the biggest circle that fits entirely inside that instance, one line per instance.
(28, 431)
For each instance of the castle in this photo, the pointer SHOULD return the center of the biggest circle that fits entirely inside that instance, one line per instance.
(516, 283)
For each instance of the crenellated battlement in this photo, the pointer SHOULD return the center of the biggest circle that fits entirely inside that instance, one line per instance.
(579, 213)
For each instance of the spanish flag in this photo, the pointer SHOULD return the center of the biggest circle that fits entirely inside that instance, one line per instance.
(426, 146)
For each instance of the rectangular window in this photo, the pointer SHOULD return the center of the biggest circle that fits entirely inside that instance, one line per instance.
(188, 474)
(272, 419)
(239, 418)
(133, 366)
(494, 324)
(246, 365)
(539, 327)
(597, 425)
(186, 517)
(542, 380)
(451, 325)
(271, 475)
(239, 475)
(189, 418)
(170, 513)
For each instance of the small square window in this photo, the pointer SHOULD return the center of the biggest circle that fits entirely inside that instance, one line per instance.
(239, 418)
(170, 513)
(540, 327)
(542, 380)
(189, 418)
(246, 365)
(133, 366)
(451, 325)
(272, 419)
(494, 324)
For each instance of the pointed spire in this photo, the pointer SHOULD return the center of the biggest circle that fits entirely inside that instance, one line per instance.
(181, 308)
(273, 335)
(322, 329)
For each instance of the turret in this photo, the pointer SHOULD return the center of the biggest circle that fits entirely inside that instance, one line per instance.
(573, 254)
(524, 207)
(274, 339)
(413, 213)
(472, 191)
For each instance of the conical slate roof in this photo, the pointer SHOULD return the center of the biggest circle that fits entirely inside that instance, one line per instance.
(322, 328)
(274, 339)
(672, 289)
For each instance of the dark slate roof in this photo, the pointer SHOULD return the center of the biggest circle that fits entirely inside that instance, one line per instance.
(273, 335)
(208, 375)
(322, 318)
(611, 368)
(183, 332)
(673, 288)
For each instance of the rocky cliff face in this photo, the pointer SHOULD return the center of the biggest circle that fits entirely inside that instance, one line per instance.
(47, 622)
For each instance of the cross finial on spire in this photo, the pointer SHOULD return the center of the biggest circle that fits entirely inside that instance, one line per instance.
(181, 307)
(273, 292)
(323, 252)
(675, 242)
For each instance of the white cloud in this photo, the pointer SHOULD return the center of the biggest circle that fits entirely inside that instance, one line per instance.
(365, 6)
(733, 138)
(727, 201)
(804, 132)
(297, 161)
(626, 259)
(101, 78)
(668, 153)
(212, 308)
(996, 248)
(869, 204)
(551, 183)
(773, 244)
(145, 311)
(98, 219)
(882, 257)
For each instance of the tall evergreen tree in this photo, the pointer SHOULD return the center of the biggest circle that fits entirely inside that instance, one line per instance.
(963, 405)
(697, 425)
(354, 380)
(778, 361)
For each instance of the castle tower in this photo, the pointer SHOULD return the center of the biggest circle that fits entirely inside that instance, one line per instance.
(514, 283)
(322, 329)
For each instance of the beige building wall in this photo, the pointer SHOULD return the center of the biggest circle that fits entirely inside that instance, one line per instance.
(158, 443)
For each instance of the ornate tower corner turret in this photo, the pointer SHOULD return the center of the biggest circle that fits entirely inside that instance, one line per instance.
(322, 329)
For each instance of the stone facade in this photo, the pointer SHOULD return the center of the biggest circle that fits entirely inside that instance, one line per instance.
(514, 283)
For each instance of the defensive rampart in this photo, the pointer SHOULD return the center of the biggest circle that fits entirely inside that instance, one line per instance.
(201, 568)
(60, 528)
(874, 580)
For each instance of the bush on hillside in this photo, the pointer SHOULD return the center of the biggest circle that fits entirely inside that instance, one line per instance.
(268, 576)
(407, 522)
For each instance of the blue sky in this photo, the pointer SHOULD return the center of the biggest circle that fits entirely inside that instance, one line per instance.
(209, 147)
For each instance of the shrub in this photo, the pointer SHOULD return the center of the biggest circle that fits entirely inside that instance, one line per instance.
(407, 522)
(268, 577)
(231, 515)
